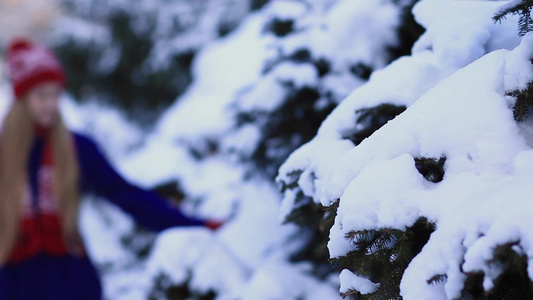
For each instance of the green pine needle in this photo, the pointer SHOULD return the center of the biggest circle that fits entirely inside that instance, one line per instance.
(524, 100)
(437, 279)
(383, 255)
(523, 10)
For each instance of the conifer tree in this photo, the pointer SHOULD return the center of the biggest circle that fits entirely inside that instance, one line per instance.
(318, 220)
(131, 56)
(301, 105)
(137, 56)
(383, 254)
(513, 282)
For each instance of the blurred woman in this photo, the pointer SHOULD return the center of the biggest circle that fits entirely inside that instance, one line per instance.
(44, 168)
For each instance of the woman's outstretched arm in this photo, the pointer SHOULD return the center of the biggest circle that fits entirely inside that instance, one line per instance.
(147, 208)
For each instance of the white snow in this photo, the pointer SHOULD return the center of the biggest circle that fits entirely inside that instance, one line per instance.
(402, 82)
(181, 253)
(221, 70)
(351, 281)
(277, 280)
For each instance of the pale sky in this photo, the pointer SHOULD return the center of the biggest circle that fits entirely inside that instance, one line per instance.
(29, 18)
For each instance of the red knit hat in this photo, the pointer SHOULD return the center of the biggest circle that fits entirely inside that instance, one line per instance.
(31, 64)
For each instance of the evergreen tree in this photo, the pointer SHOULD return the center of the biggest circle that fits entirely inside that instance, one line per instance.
(513, 282)
(301, 83)
(383, 254)
(303, 107)
(138, 57)
(315, 218)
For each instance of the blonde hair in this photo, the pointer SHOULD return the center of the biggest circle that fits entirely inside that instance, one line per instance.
(15, 144)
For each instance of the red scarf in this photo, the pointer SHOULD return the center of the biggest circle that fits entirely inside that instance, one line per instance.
(40, 228)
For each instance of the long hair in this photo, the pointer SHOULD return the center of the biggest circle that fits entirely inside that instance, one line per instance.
(16, 139)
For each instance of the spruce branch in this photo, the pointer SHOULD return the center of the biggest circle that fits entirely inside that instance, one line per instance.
(431, 168)
(512, 284)
(332, 209)
(292, 183)
(350, 293)
(383, 255)
(385, 240)
(360, 238)
(524, 100)
(368, 120)
(523, 10)
(437, 279)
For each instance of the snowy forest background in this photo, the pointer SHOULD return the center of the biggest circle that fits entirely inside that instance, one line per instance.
(359, 149)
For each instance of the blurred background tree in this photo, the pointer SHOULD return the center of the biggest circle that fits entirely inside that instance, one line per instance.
(137, 55)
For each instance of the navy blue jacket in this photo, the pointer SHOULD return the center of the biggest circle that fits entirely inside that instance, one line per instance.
(67, 277)
(148, 209)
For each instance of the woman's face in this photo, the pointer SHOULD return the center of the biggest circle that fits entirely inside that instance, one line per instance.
(43, 102)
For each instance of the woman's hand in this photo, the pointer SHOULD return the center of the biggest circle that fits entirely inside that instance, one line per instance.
(214, 224)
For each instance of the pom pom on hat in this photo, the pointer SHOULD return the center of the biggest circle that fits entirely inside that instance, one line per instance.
(31, 64)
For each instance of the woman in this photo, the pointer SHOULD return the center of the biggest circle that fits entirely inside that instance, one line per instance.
(43, 170)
